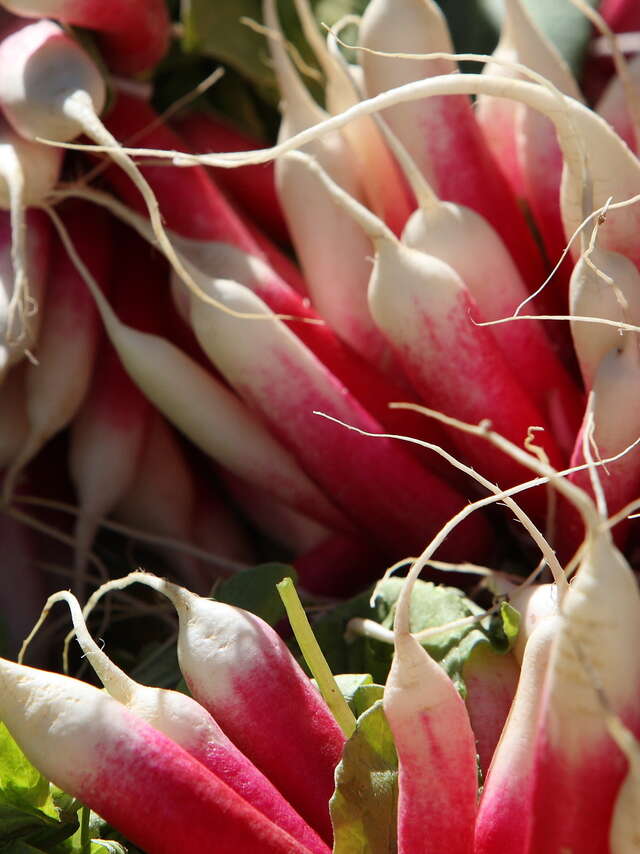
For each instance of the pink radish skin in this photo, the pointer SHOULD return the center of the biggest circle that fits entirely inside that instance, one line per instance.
(135, 777)
(242, 672)
(286, 390)
(592, 296)
(491, 681)
(379, 175)
(212, 218)
(205, 259)
(252, 188)
(133, 36)
(337, 280)
(467, 242)
(442, 135)
(56, 386)
(505, 816)
(221, 426)
(190, 726)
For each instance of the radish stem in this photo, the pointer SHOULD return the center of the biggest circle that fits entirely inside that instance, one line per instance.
(315, 659)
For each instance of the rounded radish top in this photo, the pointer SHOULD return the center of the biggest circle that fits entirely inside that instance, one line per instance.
(42, 68)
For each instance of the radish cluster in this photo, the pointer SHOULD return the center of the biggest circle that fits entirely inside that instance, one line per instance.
(352, 343)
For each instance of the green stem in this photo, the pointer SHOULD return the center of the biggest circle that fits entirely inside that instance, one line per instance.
(315, 659)
(85, 837)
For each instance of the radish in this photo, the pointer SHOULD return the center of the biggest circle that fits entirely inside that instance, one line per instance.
(134, 37)
(505, 817)
(22, 587)
(337, 280)
(56, 385)
(274, 519)
(136, 778)
(241, 671)
(221, 426)
(621, 15)
(422, 319)
(441, 135)
(190, 726)
(289, 385)
(463, 239)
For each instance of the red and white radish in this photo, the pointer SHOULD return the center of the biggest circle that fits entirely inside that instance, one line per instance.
(290, 384)
(190, 726)
(242, 672)
(136, 778)
(423, 318)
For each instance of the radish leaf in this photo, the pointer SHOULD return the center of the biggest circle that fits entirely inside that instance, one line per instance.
(364, 805)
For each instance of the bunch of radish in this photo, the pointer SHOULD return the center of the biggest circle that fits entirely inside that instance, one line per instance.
(410, 310)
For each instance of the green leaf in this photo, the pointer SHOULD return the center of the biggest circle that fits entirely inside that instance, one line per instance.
(255, 590)
(364, 804)
(215, 29)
